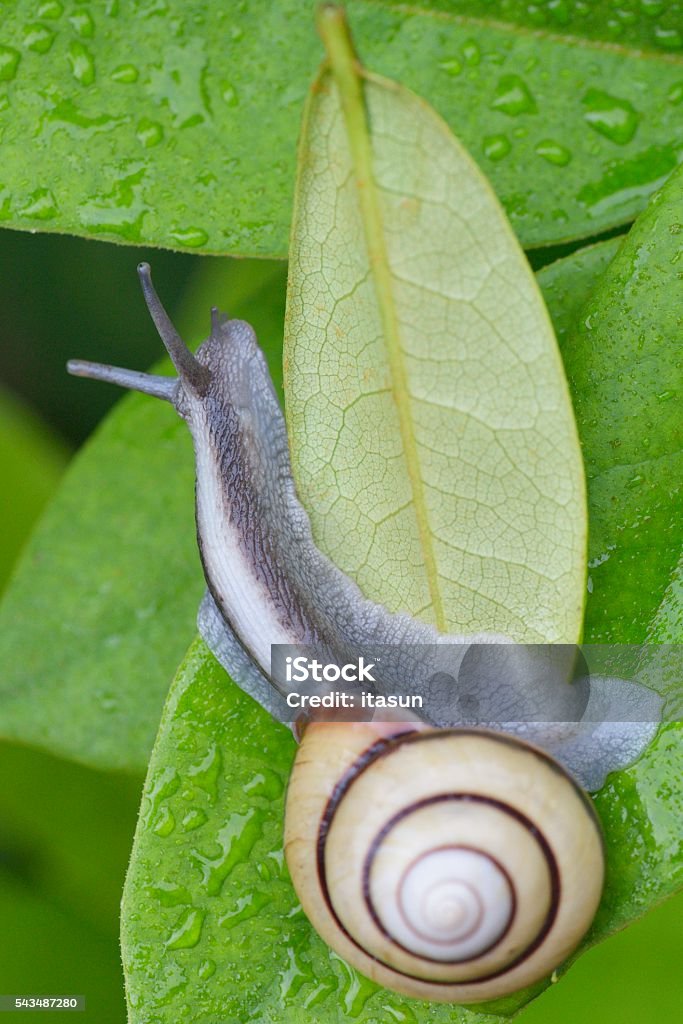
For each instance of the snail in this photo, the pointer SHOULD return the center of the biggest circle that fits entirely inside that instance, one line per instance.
(446, 861)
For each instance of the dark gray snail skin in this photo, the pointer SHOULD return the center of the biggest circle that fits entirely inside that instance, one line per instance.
(268, 583)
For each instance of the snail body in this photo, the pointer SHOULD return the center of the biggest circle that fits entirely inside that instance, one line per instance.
(453, 864)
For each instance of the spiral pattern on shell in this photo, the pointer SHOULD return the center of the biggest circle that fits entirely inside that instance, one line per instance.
(453, 865)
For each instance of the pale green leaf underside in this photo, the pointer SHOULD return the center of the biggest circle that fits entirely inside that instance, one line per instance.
(456, 493)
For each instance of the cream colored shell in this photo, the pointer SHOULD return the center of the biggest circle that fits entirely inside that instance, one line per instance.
(453, 865)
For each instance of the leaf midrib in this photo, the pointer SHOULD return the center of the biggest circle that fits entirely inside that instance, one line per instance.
(347, 74)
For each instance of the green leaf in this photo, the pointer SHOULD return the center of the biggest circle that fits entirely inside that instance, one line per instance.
(92, 652)
(31, 463)
(623, 362)
(106, 595)
(209, 917)
(566, 284)
(140, 123)
(432, 436)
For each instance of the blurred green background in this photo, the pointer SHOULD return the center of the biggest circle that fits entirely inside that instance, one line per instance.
(65, 831)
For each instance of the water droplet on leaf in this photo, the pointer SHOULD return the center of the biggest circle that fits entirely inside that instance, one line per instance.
(149, 133)
(83, 24)
(236, 840)
(610, 116)
(265, 783)
(41, 205)
(229, 94)
(668, 38)
(451, 66)
(170, 894)
(471, 51)
(52, 9)
(496, 147)
(82, 63)
(9, 62)
(165, 823)
(38, 38)
(512, 97)
(127, 73)
(188, 930)
(553, 152)
(205, 774)
(206, 970)
(190, 237)
(193, 820)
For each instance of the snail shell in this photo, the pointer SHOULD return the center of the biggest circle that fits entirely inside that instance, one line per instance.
(453, 865)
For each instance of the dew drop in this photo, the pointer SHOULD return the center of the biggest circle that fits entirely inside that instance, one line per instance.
(51, 10)
(451, 66)
(9, 62)
(653, 8)
(121, 211)
(83, 24)
(668, 38)
(235, 840)
(471, 52)
(4, 101)
(149, 133)
(38, 38)
(165, 823)
(553, 152)
(496, 147)
(205, 774)
(665, 396)
(82, 64)
(627, 180)
(512, 97)
(610, 116)
(170, 894)
(193, 820)
(190, 237)
(356, 993)
(66, 115)
(265, 783)
(402, 1015)
(163, 786)
(320, 993)
(188, 930)
(126, 73)
(675, 93)
(245, 908)
(206, 970)
(229, 94)
(41, 205)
